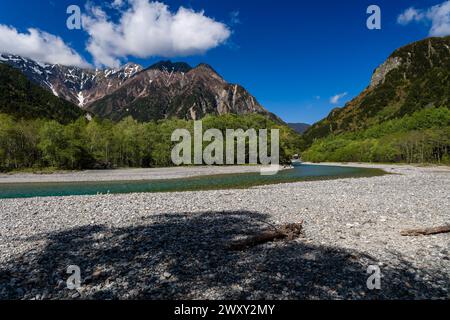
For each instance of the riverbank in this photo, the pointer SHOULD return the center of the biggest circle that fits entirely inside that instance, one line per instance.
(173, 245)
(383, 166)
(128, 174)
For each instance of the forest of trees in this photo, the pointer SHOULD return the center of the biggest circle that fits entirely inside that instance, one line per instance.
(83, 144)
(423, 137)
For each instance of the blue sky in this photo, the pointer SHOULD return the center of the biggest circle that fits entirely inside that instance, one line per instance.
(293, 56)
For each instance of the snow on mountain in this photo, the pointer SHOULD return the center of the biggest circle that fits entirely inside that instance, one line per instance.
(79, 86)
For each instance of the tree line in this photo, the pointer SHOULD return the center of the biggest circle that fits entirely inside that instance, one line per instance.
(97, 144)
(423, 137)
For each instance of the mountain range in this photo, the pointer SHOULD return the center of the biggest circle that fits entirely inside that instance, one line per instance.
(162, 91)
(414, 77)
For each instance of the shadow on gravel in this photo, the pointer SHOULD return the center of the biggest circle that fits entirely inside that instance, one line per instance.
(183, 256)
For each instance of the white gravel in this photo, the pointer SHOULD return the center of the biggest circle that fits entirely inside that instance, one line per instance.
(127, 174)
(172, 245)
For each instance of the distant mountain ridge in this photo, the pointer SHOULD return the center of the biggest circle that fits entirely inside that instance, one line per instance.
(414, 77)
(161, 91)
(299, 127)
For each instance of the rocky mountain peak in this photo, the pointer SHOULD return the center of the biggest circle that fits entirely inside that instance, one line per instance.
(170, 66)
(205, 67)
(414, 59)
(169, 89)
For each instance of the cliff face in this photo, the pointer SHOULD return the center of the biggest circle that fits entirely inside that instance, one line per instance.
(414, 77)
(379, 76)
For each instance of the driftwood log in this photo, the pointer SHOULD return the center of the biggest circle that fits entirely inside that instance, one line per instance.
(426, 231)
(287, 232)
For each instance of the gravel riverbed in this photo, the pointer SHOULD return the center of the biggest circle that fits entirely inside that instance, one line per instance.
(127, 174)
(174, 245)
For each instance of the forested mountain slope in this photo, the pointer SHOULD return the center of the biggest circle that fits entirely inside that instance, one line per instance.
(414, 77)
(22, 98)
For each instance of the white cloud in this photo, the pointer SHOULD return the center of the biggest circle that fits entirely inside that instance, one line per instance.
(409, 15)
(438, 16)
(38, 45)
(148, 29)
(337, 98)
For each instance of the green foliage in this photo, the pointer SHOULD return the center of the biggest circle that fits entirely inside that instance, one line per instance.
(64, 146)
(23, 99)
(103, 144)
(421, 137)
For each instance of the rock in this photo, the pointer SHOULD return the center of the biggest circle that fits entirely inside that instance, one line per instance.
(167, 275)
(75, 295)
